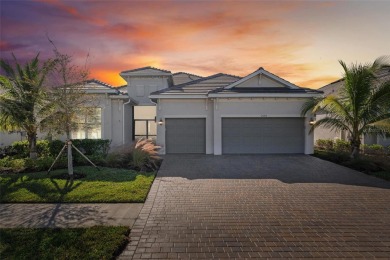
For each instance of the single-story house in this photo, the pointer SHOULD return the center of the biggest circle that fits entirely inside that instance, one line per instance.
(325, 133)
(187, 113)
(226, 114)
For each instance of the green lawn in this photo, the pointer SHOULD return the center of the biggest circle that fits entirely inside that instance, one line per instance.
(71, 243)
(106, 185)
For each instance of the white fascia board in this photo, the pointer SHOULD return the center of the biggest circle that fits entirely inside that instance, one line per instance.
(263, 72)
(101, 91)
(170, 96)
(253, 95)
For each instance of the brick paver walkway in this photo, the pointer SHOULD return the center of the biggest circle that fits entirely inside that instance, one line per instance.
(264, 217)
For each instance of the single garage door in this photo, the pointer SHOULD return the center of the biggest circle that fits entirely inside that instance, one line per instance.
(185, 135)
(262, 135)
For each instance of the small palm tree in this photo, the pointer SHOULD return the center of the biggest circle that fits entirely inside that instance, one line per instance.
(22, 98)
(361, 107)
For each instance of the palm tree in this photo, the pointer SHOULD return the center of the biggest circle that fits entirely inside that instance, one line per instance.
(361, 107)
(22, 97)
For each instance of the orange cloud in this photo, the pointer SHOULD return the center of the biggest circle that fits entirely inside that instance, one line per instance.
(108, 76)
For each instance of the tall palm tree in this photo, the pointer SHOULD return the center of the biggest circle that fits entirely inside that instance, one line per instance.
(361, 107)
(22, 97)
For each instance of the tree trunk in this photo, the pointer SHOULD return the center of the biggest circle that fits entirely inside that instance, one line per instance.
(355, 148)
(32, 142)
(70, 159)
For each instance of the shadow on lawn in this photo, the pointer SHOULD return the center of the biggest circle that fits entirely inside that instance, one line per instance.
(53, 215)
(286, 168)
(41, 190)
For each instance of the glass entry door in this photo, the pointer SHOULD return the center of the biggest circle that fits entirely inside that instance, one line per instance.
(144, 122)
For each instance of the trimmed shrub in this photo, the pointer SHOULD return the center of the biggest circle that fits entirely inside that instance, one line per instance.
(375, 149)
(55, 147)
(93, 146)
(335, 157)
(325, 144)
(87, 146)
(10, 165)
(20, 148)
(79, 160)
(5, 162)
(342, 146)
(120, 157)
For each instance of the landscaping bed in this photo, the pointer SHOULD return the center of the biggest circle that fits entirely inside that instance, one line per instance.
(375, 165)
(71, 243)
(106, 185)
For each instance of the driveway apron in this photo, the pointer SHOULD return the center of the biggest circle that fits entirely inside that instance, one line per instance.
(268, 206)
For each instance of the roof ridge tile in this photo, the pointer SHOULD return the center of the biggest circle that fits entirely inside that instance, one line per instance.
(100, 82)
(182, 72)
(147, 67)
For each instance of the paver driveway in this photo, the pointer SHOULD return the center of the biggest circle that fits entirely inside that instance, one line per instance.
(261, 206)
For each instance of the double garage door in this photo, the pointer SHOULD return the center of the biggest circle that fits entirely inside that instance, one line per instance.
(262, 135)
(239, 135)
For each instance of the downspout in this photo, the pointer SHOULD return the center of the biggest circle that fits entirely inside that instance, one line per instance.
(123, 120)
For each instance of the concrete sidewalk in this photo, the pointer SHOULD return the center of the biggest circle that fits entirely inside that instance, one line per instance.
(68, 215)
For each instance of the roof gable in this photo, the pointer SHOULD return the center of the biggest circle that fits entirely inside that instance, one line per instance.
(262, 78)
(145, 71)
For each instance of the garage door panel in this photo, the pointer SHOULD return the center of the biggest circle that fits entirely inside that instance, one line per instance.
(185, 135)
(262, 135)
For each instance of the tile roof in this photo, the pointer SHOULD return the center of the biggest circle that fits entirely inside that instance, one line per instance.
(146, 68)
(334, 86)
(265, 90)
(100, 83)
(184, 77)
(182, 72)
(200, 86)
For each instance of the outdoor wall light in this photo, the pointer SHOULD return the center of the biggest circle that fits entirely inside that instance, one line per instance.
(160, 122)
(312, 121)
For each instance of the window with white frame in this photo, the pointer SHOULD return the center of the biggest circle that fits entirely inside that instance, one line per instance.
(89, 124)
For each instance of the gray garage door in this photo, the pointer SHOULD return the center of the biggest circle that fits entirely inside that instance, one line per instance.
(262, 135)
(185, 135)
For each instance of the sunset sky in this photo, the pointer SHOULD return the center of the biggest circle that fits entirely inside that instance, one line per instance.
(300, 41)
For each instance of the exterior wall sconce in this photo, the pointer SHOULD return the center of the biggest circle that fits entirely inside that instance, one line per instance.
(312, 120)
(160, 122)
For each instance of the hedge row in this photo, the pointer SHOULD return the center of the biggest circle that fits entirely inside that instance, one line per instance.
(344, 146)
(47, 148)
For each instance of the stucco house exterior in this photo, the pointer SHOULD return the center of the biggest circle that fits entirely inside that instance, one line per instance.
(187, 113)
(325, 133)
(226, 114)
(110, 116)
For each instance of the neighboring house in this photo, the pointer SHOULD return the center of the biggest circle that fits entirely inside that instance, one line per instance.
(325, 133)
(186, 113)
(225, 114)
(108, 122)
